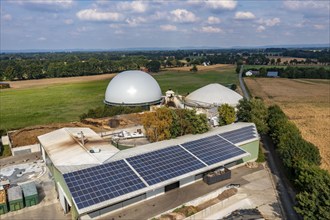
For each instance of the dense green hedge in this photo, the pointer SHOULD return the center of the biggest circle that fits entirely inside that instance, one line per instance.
(302, 159)
(294, 72)
(106, 111)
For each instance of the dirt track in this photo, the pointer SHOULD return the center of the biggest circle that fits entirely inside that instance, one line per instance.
(46, 82)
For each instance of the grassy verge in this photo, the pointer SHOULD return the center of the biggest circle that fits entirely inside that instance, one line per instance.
(5, 151)
(261, 156)
(64, 103)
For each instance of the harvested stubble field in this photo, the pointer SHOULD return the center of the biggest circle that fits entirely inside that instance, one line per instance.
(202, 67)
(305, 101)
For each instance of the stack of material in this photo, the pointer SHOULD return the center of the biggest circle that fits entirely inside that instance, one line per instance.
(3, 202)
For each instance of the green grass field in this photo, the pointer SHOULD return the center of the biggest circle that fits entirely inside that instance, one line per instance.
(64, 103)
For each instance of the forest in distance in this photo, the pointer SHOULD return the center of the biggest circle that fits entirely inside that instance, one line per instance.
(24, 66)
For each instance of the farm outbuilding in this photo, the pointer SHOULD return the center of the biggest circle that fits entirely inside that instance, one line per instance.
(3, 202)
(15, 198)
(272, 74)
(109, 180)
(30, 193)
(133, 88)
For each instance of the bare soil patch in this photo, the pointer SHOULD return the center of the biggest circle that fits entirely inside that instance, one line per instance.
(201, 67)
(305, 102)
(65, 80)
(28, 135)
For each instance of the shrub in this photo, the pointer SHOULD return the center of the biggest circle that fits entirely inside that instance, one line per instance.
(166, 123)
(106, 111)
(227, 114)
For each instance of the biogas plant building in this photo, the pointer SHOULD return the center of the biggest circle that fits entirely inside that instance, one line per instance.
(93, 178)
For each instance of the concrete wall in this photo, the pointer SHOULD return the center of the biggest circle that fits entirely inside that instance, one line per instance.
(25, 149)
(187, 181)
(223, 208)
(156, 192)
(253, 149)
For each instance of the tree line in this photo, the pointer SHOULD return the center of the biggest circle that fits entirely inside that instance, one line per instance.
(300, 158)
(294, 72)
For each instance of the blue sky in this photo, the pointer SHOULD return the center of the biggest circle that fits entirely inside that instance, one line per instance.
(103, 24)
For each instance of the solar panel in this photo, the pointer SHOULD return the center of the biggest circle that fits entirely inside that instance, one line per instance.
(240, 135)
(213, 149)
(100, 183)
(164, 164)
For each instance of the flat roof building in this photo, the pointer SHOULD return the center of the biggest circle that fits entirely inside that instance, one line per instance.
(139, 173)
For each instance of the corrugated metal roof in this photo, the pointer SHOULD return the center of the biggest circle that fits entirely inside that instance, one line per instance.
(64, 147)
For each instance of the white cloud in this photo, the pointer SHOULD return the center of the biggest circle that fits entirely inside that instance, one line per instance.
(119, 32)
(213, 20)
(7, 17)
(135, 21)
(244, 15)
(94, 15)
(210, 29)
(168, 27)
(68, 21)
(183, 16)
(261, 29)
(42, 39)
(221, 4)
(306, 4)
(65, 4)
(84, 29)
(159, 15)
(319, 26)
(215, 5)
(136, 6)
(317, 8)
(270, 22)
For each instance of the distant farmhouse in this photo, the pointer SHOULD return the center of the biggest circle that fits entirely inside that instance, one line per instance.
(272, 74)
(252, 73)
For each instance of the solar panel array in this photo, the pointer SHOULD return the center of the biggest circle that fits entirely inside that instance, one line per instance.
(101, 183)
(164, 164)
(107, 181)
(240, 135)
(213, 149)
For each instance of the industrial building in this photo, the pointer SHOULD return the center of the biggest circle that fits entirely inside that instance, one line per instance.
(212, 95)
(133, 88)
(93, 178)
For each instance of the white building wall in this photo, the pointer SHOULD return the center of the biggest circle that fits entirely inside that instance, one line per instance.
(25, 149)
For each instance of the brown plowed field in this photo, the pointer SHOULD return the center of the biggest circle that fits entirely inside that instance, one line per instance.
(46, 82)
(305, 101)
